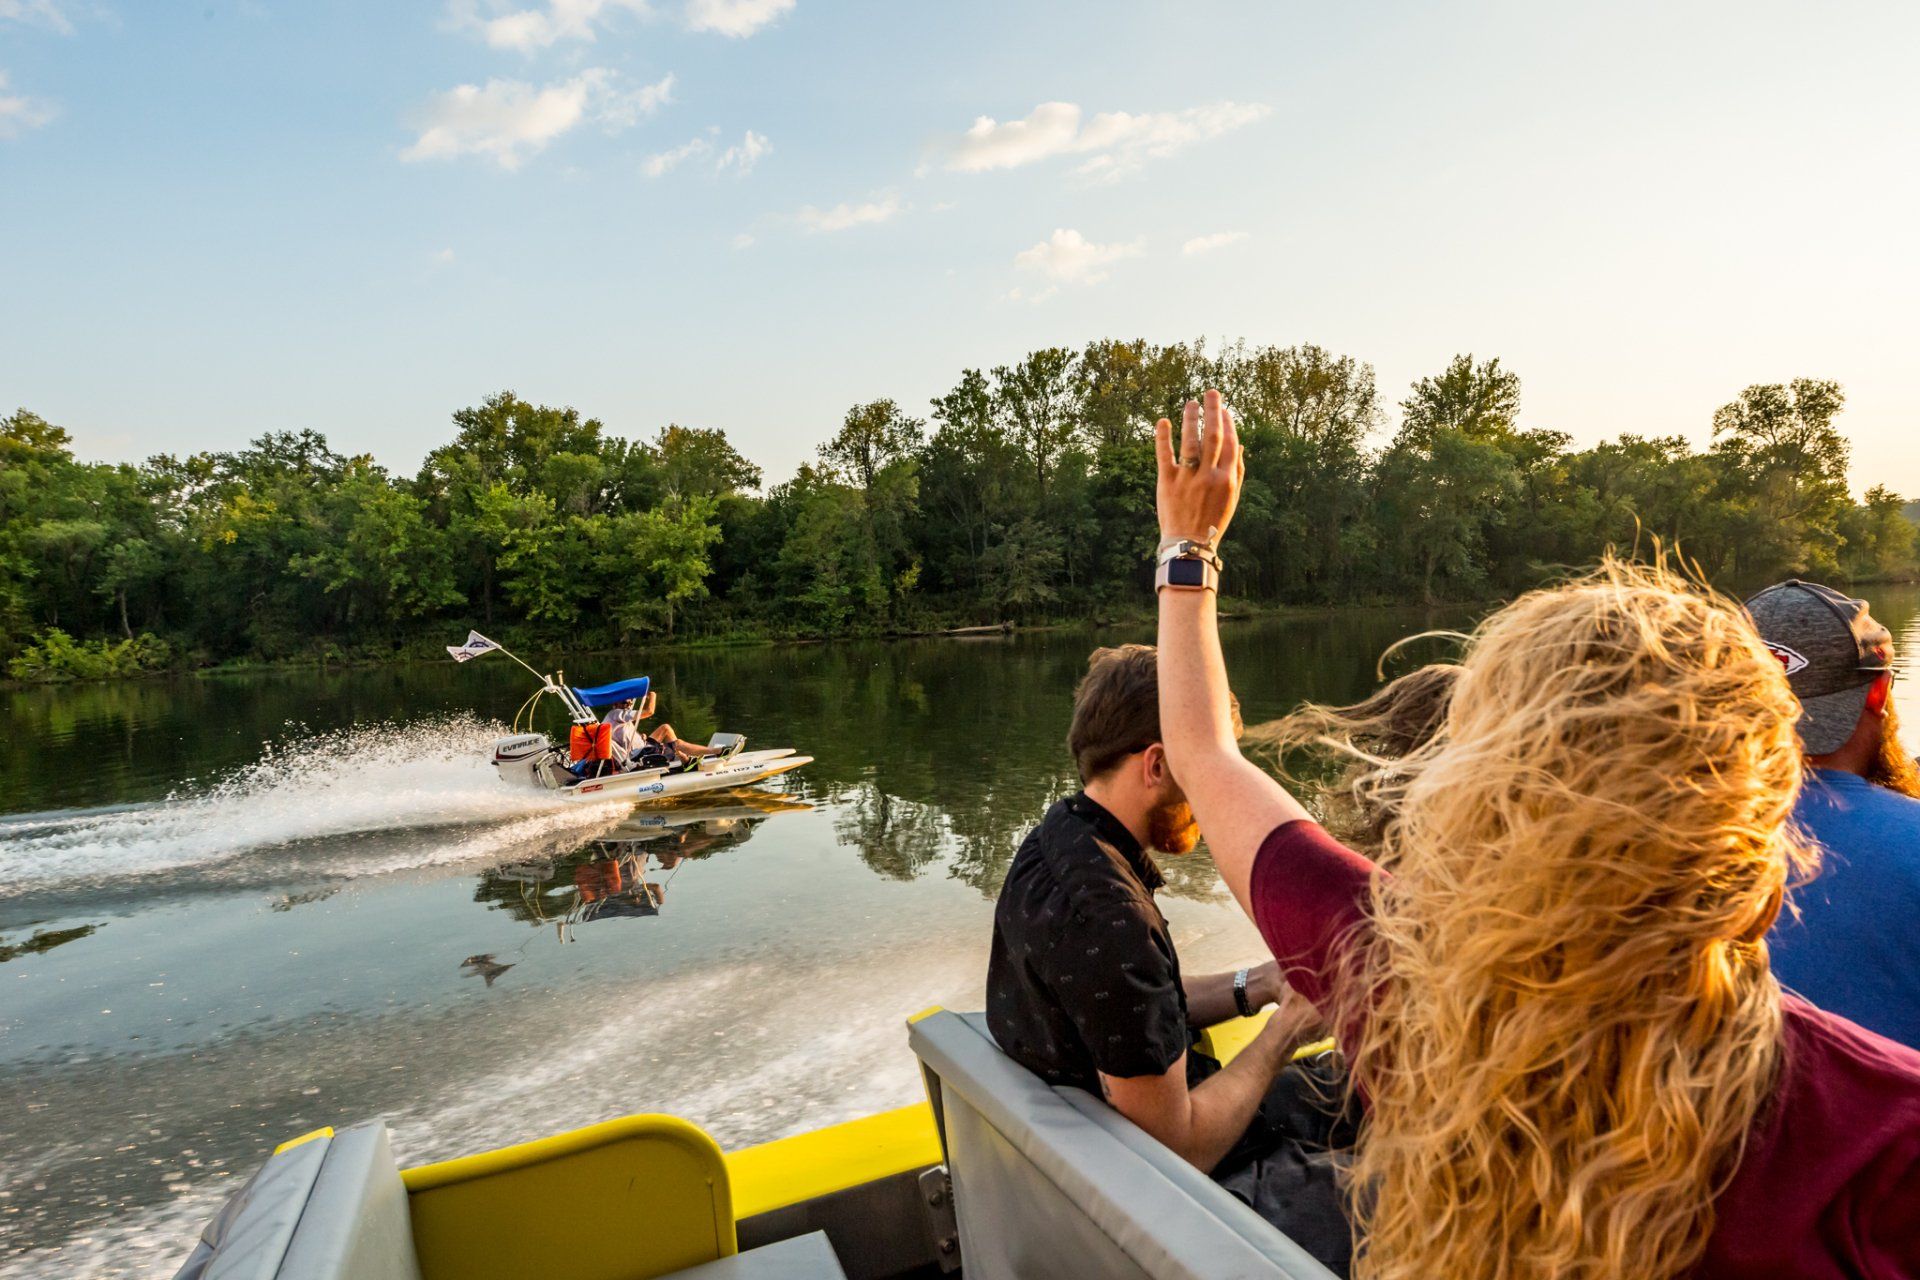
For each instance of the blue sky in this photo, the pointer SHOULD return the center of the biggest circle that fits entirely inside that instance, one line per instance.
(224, 218)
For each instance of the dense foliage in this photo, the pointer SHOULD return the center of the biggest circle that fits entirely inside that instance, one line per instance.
(1023, 495)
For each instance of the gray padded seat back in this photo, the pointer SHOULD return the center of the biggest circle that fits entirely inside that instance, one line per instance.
(328, 1209)
(249, 1236)
(1053, 1182)
(356, 1225)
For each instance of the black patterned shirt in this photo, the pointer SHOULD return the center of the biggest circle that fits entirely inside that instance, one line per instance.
(1082, 977)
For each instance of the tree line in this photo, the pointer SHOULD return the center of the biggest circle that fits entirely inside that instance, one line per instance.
(1022, 494)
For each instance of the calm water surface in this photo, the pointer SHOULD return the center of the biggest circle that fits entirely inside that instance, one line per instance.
(233, 910)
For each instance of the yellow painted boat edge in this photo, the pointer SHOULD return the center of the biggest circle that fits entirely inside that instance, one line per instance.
(1225, 1039)
(309, 1136)
(806, 1166)
(427, 1177)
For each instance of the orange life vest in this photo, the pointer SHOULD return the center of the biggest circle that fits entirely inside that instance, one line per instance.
(590, 742)
(597, 880)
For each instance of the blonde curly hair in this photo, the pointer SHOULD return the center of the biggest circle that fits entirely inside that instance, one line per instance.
(1565, 1022)
(1367, 740)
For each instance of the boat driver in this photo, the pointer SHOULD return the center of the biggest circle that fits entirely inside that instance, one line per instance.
(1084, 987)
(652, 750)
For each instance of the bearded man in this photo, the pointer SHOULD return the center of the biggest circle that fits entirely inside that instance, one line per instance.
(1084, 986)
(1852, 950)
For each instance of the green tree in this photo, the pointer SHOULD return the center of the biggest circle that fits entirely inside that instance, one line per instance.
(969, 472)
(699, 463)
(1027, 495)
(1036, 401)
(1440, 497)
(873, 437)
(1477, 399)
(380, 556)
(1305, 415)
(1877, 538)
(829, 565)
(1785, 473)
(655, 560)
(1024, 562)
(130, 568)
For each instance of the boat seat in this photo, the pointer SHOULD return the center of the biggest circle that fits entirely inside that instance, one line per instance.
(631, 1199)
(807, 1257)
(329, 1206)
(627, 1199)
(1053, 1182)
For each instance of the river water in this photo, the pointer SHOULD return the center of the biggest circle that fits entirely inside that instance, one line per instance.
(235, 909)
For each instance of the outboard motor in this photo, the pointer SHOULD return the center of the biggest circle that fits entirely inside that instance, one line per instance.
(519, 760)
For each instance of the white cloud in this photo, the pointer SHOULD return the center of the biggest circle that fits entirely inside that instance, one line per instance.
(38, 13)
(736, 18)
(509, 120)
(745, 154)
(19, 113)
(743, 241)
(618, 109)
(661, 162)
(540, 28)
(1067, 257)
(1207, 244)
(1048, 131)
(1116, 142)
(443, 257)
(843, 216)
(740, 157)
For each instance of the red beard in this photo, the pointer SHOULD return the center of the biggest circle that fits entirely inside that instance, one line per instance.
(1171, 828)
(1893, 766)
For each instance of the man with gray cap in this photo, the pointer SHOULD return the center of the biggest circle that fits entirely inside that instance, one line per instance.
(1853, 951)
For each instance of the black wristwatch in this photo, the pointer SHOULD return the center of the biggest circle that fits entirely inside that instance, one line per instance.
(1240, 1001)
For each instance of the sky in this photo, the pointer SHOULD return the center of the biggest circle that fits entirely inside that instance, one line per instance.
(224, 218)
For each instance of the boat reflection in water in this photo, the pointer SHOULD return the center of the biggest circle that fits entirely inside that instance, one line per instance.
(624, 872)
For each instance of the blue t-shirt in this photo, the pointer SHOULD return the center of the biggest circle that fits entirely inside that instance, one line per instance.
(1855, 950)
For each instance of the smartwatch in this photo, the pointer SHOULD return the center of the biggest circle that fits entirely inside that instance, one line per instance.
(1187, 573)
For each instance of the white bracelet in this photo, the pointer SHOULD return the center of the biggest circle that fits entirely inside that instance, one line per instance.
(1210, 543)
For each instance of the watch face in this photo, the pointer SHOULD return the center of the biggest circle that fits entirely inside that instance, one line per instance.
(1186, 573)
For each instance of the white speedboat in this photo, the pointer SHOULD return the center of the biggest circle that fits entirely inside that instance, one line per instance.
(529, 759)
(532, 760)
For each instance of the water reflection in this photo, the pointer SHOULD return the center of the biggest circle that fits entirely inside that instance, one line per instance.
(607, 877)
(45, 940)
(484, 966)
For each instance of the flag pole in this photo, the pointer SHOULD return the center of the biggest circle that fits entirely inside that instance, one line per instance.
(516, 657)
(575, 707)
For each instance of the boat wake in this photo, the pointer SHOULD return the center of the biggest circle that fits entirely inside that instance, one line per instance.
(368, 782)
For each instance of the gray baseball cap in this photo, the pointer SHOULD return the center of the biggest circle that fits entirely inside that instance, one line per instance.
(1833, 651)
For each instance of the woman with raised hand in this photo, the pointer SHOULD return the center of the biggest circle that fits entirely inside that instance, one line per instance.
(1557, 1010)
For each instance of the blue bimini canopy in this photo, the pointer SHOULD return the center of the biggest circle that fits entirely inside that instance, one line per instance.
(605, 695)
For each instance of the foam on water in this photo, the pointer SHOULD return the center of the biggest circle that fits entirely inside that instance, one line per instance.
(371, 778)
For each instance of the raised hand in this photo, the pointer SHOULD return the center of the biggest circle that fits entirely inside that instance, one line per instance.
(1198, 491)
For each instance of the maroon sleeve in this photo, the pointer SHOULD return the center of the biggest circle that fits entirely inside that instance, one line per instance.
(1890, 1243)
(1309, 895)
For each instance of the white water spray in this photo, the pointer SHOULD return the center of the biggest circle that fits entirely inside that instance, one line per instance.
(367, 779)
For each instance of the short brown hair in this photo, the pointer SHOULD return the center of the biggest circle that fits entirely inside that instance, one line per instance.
(1116, 708)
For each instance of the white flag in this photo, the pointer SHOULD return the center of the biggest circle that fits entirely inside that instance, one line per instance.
(476, 645)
